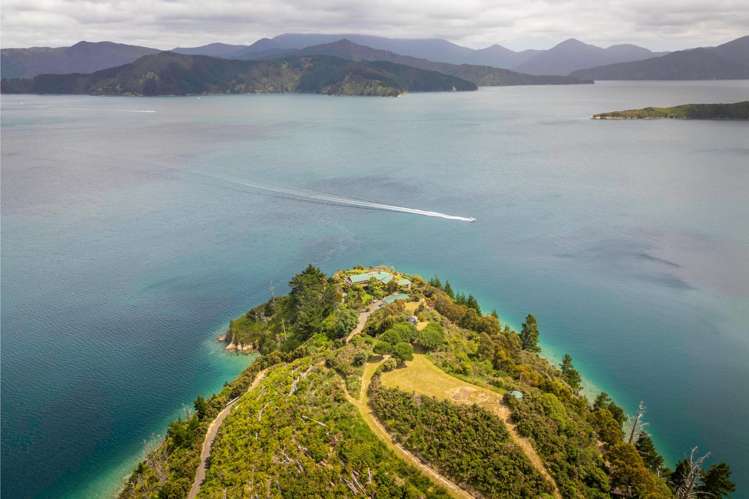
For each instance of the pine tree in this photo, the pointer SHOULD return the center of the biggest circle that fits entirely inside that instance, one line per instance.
(569, 373)
(716, 481)
(472, 302)
(649, 453)
(529, 334)
(200, 407)
(449, 290)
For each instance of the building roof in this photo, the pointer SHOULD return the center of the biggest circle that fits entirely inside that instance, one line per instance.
(403, 282)
(382, 276)
(395, 297)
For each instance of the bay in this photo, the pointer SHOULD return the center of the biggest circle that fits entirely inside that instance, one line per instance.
(133, 229)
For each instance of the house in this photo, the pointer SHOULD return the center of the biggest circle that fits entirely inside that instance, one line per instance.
(381, 275)
(395, 297)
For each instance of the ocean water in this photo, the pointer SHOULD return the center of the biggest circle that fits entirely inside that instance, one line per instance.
(133, 229)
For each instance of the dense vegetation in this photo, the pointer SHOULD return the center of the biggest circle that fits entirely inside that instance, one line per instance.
(167, 73)
(303, 439)
(464, 442)
(296, 434)
(736, 111)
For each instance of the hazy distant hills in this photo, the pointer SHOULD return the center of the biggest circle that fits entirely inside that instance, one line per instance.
(168, 73)
(223, 50)
(724, 62)
(558, 60)
(572, 54)
(83, 57)
(480, 75)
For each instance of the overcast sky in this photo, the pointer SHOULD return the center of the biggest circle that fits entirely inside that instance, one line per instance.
(516, 24)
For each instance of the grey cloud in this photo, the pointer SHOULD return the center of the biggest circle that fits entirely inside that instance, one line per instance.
(666, 24)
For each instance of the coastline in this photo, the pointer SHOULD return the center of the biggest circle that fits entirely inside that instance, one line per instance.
(112, 479)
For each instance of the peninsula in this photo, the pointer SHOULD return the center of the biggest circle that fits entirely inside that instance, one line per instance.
(736, 111)
(374, 383)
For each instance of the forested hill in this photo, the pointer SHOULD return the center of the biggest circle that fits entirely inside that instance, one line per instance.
(168, 73)
(373, 383)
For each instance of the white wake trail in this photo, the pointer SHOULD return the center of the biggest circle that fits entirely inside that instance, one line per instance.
(333, 199)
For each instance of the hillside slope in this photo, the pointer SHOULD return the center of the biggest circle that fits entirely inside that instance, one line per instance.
(167, 73)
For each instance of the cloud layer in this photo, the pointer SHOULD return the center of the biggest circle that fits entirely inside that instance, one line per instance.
(517, 24)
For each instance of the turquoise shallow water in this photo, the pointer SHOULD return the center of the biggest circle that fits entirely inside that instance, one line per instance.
(130, 235)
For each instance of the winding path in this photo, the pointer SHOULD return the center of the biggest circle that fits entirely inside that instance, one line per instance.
(210, 436)
(363, 316)
(362, 405)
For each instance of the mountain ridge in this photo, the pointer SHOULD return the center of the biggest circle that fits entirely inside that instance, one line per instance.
(480, 75)
(169, 73)
(724, 62)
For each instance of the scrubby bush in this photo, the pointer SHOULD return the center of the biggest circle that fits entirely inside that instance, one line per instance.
(431, 337)
(403, 351)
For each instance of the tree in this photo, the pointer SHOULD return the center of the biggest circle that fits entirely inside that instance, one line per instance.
(339, 323)
(472, 302)
(403, 352)
(449, 290)
(312, 299)
(649, 453)
(685, 477)
(603, 401)
(569, 373)
(716, 481)
(529, 334)
(628, 472)
(200, 407)
(638, 424)
(431, 338)
(435, 282)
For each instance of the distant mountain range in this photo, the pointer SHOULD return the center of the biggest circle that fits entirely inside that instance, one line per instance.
(480, 75)
(168, 73)
(729, 61)
(571, 57)
(558, 60)
(83, 57)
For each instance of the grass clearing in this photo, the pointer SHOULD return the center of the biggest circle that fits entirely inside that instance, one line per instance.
(421, 376)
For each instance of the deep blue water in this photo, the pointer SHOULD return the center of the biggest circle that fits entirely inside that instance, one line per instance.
(128, 240)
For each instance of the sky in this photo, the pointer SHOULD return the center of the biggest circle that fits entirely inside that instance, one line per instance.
(516, 24)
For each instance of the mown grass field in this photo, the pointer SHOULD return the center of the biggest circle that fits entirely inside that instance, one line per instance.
(423, 377)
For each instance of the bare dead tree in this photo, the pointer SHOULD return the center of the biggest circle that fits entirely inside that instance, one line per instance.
(685, 490)
(637, 424)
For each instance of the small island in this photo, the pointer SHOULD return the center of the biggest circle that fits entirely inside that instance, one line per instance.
(375, 383)
(735, 111)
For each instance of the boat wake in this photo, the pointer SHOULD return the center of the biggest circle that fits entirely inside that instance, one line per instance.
(319, 197)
